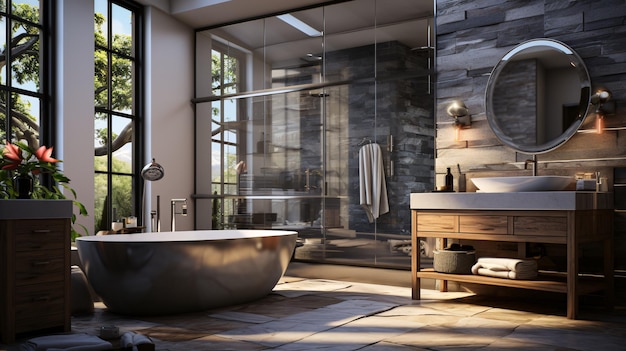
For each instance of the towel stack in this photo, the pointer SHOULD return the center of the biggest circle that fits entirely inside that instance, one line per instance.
(510, 268)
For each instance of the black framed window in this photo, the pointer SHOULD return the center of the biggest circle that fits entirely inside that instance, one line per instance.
(118, 111)
(26, 72)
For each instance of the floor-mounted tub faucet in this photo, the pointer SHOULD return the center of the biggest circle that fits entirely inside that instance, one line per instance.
(183, 211)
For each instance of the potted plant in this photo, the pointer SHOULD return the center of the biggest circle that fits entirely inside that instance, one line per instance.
(21, 170)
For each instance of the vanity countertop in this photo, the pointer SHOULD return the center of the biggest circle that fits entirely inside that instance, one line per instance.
(35, 209)
(530, 201)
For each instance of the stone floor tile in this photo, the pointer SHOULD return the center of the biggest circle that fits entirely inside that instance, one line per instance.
(440, 338)
(484, 326)
(306, 287)
(173, 334)
(415, 310)
(242, 317)
(301, 325)
(456, 308)
(208, 343)
(509, 315)
(574, 339)
(354, 335)
(286, 307)
(387, 346)
(516, 345)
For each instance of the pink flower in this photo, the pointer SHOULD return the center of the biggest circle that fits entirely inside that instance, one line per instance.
(44, 154)
(13, 156)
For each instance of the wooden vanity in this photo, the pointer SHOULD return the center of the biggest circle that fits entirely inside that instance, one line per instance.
(34, 267)
(561, 217)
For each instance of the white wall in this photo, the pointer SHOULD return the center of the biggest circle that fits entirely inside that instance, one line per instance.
(169, 113)
(75, 104)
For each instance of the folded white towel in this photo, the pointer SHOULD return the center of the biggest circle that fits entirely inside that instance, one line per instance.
(504, 274)
(510, 268)
(508, 264)
(66, 342)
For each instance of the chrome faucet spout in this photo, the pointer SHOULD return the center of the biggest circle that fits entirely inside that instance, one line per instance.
(533, 163)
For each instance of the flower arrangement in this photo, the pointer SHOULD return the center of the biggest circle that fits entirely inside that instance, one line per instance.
(36, 160)
(22, 162)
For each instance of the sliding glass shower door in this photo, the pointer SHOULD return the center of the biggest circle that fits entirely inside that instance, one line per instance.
(327, 132)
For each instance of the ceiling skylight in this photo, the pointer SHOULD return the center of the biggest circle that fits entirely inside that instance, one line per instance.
(299, 25)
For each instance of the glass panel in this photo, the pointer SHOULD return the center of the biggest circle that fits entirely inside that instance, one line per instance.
(349, 42)
(122, 30)
(122, 145)
(300, 148)
(3, 44)
(27, 9)
(241, 41)
(101, 218)
(100, 24)
(25, 118)
(100, 142)
(294, 41)
(101, 78)
(225, 71)
(216, 162)
(3, 117)
(122, 196)
(25, 68)
(122, 83)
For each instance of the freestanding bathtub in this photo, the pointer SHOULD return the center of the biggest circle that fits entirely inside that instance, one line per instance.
(177, 272)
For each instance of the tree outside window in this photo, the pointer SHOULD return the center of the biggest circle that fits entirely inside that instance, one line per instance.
(118, 111)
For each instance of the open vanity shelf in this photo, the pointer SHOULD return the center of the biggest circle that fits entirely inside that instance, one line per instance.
(566, 218)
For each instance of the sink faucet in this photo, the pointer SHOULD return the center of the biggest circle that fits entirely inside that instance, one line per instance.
(533, 162)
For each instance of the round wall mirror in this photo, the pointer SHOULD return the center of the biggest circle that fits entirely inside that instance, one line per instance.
(537, 96)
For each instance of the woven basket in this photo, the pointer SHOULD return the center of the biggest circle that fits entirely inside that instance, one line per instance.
(457, 262)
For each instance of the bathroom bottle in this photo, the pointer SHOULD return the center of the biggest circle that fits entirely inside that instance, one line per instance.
(449, 181)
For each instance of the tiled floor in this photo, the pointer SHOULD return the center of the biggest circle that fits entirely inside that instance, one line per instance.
(322, 314)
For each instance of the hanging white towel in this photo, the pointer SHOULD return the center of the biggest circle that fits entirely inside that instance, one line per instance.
(372, 181)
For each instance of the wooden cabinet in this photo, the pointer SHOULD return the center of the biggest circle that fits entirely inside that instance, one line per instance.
(570, 228)
(34, 272)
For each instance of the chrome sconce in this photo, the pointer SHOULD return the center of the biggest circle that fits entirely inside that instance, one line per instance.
(600, 98)
(461, 115)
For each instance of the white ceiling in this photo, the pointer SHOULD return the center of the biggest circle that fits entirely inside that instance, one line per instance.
(346, 24)
(205, 13)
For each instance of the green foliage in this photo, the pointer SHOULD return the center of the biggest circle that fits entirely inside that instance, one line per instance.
(121, 193)
(25, 66)
(21, 159)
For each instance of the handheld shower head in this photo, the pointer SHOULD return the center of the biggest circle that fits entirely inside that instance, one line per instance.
(152, 171)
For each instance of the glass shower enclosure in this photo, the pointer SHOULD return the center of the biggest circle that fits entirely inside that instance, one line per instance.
(308, 122)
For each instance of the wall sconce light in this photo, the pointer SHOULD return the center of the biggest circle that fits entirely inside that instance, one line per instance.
(599, 99)
(461, 115)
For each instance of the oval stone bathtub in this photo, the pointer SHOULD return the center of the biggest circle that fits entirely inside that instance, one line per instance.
(176, 272)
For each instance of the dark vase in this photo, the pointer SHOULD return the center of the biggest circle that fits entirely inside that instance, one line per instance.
(23, 184)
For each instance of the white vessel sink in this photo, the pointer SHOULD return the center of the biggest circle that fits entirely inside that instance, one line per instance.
(522, 184)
